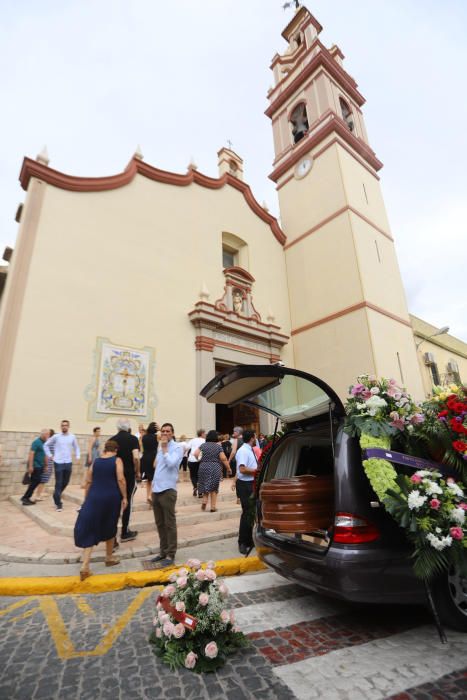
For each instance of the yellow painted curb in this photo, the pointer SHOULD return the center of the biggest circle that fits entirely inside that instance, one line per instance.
(56, 585)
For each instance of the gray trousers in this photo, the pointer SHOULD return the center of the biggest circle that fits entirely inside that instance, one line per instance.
(163, 505)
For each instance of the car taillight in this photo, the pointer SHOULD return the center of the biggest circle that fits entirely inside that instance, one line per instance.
(353, 529)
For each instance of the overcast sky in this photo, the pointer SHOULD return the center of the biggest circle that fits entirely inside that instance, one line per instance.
(93, 78)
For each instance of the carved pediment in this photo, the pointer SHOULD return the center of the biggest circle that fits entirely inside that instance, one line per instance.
(237, 297)
(233, 321)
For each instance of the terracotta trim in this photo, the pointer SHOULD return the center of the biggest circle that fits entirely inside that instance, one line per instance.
(202, 342)
(394, 317)
(325, 221)
(284, 182)
(352, 153)
(317, 227)
(333, 124)
(16, 284)
(303, 15)
(322, 58)
(300, 52)
(317, 154)
(32, 168)
(242, 348)
(370, 223)
(232, 317)
(240, 272)
(349, 310)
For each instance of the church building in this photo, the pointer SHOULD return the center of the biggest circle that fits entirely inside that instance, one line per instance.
(127, 293)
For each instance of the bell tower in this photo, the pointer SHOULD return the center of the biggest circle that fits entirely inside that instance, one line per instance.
(348, 308)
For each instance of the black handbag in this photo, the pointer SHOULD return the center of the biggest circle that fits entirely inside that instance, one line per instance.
(26, 478)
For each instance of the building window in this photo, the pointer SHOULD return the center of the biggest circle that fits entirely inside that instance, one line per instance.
(234, 251)
(228, 257)
(346, 114)
(299, 122)
(435, 374)
(452, 374)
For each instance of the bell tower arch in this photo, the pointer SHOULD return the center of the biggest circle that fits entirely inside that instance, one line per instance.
(348, 307)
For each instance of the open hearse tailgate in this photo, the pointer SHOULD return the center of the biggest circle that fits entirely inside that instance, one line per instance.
(288, 394)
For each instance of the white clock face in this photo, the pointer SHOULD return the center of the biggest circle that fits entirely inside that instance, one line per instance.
(303, 167)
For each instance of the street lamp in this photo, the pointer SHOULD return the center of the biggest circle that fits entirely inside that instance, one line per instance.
(441, 331)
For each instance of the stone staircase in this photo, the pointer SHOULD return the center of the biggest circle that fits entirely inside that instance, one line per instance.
(194, 525)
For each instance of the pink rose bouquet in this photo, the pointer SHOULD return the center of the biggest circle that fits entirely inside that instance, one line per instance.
(192, 627)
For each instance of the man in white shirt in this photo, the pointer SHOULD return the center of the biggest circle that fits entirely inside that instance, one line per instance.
(63, 443)
(193, 462)
(246, 469)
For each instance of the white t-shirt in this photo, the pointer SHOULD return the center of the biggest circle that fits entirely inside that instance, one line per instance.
(193, 446)
(184, 445)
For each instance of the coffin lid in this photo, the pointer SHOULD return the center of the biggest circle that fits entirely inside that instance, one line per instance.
(288, 394)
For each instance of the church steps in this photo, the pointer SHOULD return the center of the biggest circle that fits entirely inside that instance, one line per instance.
(75, 495)
(63, 523)
(133, 550)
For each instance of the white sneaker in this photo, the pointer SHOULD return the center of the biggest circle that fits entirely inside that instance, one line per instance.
(59, 510)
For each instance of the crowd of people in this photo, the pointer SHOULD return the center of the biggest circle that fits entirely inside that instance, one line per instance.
(153, 455)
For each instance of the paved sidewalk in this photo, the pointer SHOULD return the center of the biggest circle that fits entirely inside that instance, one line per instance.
(38, 535)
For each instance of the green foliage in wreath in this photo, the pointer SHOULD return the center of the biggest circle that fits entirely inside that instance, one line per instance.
(174, 652)
(423, 522)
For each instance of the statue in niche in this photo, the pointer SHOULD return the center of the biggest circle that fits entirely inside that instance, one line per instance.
(237, 301)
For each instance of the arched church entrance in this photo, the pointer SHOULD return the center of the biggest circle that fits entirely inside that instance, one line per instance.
(231, 332)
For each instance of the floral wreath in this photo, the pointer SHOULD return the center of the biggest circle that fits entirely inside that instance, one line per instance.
(430, 506)
(192, 627)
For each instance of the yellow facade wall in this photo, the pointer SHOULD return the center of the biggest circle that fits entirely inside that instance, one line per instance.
(128, 265)
(394, 354)
(362, 190)
(323, 273)
(379, 268)
(305, 203)
(336, 351)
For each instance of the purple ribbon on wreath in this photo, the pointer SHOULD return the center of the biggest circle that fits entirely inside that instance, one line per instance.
(406, 460)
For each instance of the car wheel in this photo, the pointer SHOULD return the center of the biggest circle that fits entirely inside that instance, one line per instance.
(450, 597)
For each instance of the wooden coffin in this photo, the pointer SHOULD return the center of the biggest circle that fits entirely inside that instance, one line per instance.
(298, 504)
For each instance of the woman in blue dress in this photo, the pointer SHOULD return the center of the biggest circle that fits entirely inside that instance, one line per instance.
(105, 499)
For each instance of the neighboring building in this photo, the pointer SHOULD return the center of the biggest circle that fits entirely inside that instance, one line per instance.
(441, 357)
(125, 294)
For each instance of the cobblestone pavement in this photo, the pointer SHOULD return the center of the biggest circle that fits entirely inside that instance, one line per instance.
(302, 646)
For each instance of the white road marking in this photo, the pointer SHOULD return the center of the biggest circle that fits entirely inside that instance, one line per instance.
(255, 582)
(377, 669)
(266, 616)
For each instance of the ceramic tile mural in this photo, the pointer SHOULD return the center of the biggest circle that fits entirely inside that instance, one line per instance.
(123, 380)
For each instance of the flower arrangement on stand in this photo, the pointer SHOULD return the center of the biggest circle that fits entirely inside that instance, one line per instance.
(430, 507)
(192, 627)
